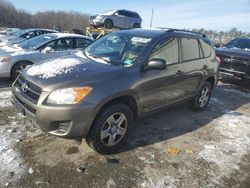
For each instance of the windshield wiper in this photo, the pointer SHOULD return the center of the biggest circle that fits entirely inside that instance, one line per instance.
(96, 57)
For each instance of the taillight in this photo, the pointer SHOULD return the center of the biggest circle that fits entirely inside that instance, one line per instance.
(218, 59)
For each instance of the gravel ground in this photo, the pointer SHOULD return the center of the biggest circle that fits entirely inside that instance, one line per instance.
(172, 148)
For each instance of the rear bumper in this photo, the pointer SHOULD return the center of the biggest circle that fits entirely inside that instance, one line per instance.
(72, 121)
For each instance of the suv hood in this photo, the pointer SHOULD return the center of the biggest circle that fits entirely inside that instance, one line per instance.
(70, 71)
(233, 52)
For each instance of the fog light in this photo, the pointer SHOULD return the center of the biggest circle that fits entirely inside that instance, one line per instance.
(64, 127)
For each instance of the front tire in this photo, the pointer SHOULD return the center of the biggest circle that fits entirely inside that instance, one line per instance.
(110, 129)
(18, 68)
(108, 24)
(200, 102)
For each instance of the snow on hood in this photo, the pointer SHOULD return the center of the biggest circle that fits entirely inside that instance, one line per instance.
(53, 68)
(9, 49)
(23, 52)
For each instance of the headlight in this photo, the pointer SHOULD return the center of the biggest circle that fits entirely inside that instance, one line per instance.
(68, 95)
(98, 17)
(5, 59)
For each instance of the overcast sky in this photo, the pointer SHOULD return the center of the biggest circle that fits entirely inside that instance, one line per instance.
(209, 14)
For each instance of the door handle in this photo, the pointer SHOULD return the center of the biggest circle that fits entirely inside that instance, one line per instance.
(179, 72)
(205, 67)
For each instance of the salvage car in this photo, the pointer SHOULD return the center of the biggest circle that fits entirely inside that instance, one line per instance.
(99, 93)
(235, 59)
(15, 59)
(23, 35)
(116, 18)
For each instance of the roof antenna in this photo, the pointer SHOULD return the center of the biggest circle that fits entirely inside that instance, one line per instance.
(152, 16)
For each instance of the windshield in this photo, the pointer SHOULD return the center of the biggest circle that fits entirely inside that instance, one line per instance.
(239, 43)
(108, 13)
(30, 44)
(117, 49)
(19, 33)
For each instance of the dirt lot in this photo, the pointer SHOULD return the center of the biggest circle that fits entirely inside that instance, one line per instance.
(173, 148)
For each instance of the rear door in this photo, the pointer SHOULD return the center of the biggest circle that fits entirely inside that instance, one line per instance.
(163, 87)
(193, 63)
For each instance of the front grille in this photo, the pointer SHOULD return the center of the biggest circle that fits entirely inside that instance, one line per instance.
(233, 63)
(32, 110)
(29, 90)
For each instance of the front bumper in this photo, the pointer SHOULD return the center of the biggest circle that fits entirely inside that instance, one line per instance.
(233, 74)
(5, 70)
(72, 121)
(96, 22)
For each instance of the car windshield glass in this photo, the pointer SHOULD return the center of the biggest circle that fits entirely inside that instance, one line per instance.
(33, 42)
(117, 49)
(19, 33)
(109, 12)
(239, 43)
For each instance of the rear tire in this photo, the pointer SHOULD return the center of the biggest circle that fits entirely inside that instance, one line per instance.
(110, 128)
(200, 102)
(18, 68)
(108, 24)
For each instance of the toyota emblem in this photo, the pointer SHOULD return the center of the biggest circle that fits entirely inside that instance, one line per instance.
(24, 87)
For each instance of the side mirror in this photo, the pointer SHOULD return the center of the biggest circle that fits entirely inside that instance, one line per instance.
(156, 64)
(47, 49)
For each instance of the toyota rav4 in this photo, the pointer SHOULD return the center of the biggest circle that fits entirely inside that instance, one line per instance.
(98, 93)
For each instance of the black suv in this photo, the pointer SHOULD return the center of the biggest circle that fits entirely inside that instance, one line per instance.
(99, 93)
(235, 59)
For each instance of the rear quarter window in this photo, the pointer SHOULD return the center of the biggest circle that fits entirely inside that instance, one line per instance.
(190, 49)
(206, 48)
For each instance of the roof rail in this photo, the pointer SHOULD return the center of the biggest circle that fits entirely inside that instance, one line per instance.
(171, 30)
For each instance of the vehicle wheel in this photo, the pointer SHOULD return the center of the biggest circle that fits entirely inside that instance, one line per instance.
(200, 102)
(18, 68)
(108, 24)
(136, 25)
(110, 128)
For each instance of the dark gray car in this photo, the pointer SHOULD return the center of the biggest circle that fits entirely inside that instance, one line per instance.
(125, 75)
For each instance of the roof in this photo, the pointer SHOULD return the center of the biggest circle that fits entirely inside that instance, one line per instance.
(157, 32)
(59, 35)
(41, 29)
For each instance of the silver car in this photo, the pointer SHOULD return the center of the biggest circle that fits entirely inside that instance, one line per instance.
(23, 35)
(116, 18)
(14, 59)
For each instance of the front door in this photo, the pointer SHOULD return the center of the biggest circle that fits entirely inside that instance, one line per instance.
(163, 87)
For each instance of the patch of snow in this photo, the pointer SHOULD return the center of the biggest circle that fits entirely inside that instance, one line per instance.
(167, 181)
(8, 49)
(5, 99)
(53, 67)
(226, 153)
(23, 52)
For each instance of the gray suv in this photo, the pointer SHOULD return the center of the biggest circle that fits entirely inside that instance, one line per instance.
(99, 93)
(116, 18)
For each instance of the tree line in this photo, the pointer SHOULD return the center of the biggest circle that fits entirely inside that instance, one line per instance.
(12, 17)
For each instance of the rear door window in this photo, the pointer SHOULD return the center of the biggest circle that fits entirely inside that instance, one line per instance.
(190, 49)
(167, 50)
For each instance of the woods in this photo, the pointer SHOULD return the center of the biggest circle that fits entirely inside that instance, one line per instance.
(12, 17)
